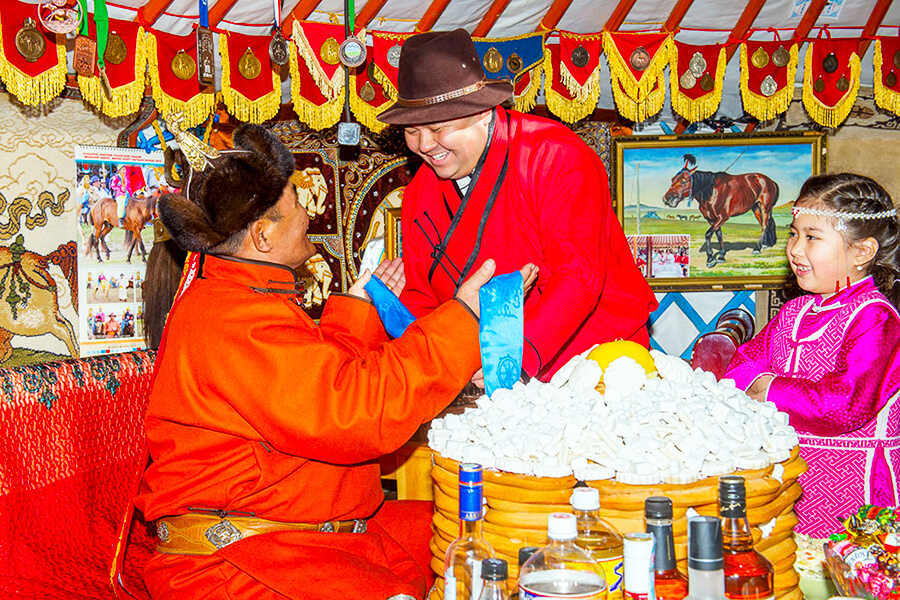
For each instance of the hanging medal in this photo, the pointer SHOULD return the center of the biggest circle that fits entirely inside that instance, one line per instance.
(206, 62)
(278, 47)
(30, 42)
(56, 17)
(85, 52)
(248, 65)
(101, 22)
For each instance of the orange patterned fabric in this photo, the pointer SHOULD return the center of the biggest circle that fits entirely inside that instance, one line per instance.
(69, 454)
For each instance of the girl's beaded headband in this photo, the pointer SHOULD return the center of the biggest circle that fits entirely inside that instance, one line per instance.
(841, 215)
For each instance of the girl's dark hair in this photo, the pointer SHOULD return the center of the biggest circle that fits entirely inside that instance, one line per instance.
(852, 193)
(164, 265)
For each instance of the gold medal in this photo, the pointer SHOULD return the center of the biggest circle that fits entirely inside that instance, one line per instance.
(367, 92)
(249, 66)
(830, 63)
(697, 65)
(707, 83)
(760, 58)
(30, 42)
(687, 80)
(580, 57)
(84, 55)
(492, 61)
(640, 59)
(116, 50)
(768, 87)
(781, 57)
(514, 63)
(843, 84)
(819, 85)
(330, 51)
(891, 79)
(183, 66)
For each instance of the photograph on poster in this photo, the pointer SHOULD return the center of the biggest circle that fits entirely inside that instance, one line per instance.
(116, 192)
(661, 255)
(729, 195)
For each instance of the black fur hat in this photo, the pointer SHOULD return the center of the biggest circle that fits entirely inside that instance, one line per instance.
(235, 189)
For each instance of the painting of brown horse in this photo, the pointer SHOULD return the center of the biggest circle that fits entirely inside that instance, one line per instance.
(104, 216)
(721, 196)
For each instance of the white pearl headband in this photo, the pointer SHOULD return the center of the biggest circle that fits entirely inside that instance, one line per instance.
(841, 215)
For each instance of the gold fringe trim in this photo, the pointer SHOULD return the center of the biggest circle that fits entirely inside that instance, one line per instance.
(194, 111)
(527, 100)
(589, 92)
(696, 109)
(829, 116)
(763, 107)
(619, 70)
(365, 112)
(126, 98)
(885, 98)
(566, 109)
(317, 116)
(239, 105)
(639, 110)
(387, 85)
(34, 90)
(330, 88)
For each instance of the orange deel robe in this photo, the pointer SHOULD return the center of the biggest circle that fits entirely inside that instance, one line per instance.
(257, 409)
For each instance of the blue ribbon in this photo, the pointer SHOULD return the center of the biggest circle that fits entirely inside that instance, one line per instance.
(393, 313)
(502, 330)
(204, 14)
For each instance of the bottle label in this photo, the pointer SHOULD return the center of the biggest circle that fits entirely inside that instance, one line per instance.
(613, 570)
(470, 501)
(526, 594)
(562, 583)
(636, 596)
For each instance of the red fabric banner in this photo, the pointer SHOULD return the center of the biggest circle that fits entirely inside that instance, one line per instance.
(124, 72)
(574, 46)
(890, 47)
(167, 46)
(821, 51)
(258, 45)
(627, 43)
(755, 75)
(382, 44)
(684, 53)
(12, 18)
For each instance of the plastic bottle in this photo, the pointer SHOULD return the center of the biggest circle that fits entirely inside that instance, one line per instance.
(462, 564)
(562, 569)
(639, 566)
(599, 538)
(493, 575)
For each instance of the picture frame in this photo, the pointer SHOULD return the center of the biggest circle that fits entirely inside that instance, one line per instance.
(706, 190)
(393, 240)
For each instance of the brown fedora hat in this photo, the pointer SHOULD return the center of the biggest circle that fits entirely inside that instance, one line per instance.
(440, 78)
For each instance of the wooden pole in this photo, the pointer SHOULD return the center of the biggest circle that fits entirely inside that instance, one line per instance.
(487, 21)
(431, 15)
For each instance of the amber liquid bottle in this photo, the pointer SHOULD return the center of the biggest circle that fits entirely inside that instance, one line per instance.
(669, 583)
(748, 574)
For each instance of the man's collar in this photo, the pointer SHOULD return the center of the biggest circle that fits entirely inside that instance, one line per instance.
(262, 276)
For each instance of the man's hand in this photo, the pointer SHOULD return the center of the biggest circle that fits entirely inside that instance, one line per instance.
(468, 291)
(390, 272)
(760, 388)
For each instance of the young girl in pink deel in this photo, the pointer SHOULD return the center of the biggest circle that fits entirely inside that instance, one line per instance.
(831, 358)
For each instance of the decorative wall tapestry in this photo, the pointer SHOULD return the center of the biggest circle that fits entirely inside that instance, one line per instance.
(116, 193)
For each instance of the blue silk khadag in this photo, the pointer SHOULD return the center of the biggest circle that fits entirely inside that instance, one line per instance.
(502, 330)
(394, 315)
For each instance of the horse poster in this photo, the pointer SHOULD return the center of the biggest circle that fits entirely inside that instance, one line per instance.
(116, 193)
(720, 205)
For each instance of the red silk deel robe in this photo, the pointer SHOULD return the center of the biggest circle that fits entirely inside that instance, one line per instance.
(553, 209)
(257, 409)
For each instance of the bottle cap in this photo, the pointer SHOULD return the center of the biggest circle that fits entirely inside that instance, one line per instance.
(658, 507)
(470, 473)
(638, 545)
(493, 569)
(562, 526)
(732, 496)
(525, 553)
(705, 543)
(585, 498)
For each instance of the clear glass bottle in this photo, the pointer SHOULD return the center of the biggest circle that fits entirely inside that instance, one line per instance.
(599, 538)
(748, 574)
(668, 582)
(638, 553)
(706, 578)
(524, 554)
(462, 563)
(494, 575)
(562, 569)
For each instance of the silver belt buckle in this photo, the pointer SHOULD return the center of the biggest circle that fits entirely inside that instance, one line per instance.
(222, 534)
(359, 526)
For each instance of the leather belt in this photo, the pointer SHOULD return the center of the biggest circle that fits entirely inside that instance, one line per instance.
(204, 534)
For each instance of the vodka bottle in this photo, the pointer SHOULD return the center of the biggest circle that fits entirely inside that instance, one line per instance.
(462, 564)
(669, 583)
(706, 579)
(748, 574)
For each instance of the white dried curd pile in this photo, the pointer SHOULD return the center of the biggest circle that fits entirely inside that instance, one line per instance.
(675, 427)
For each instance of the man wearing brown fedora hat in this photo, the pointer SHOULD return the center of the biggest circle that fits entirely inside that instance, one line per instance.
(515, 187)
(263, 426)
